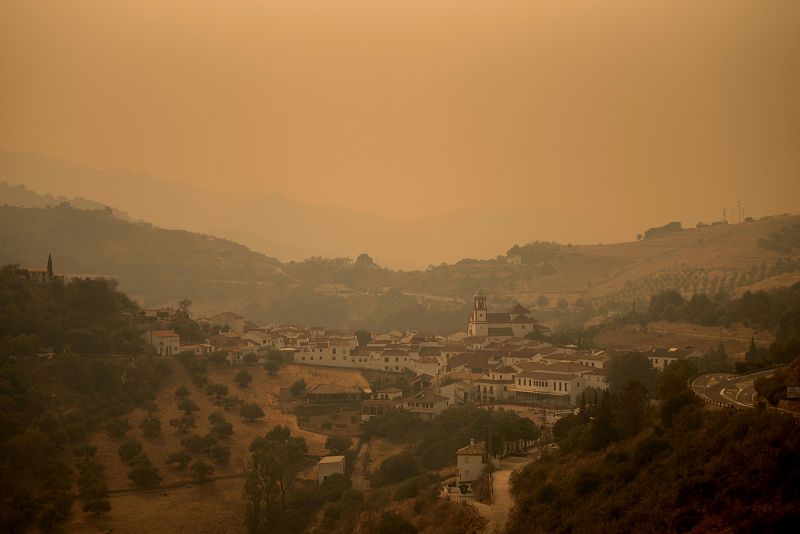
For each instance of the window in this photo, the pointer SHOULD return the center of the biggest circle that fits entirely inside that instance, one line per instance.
(466, 460)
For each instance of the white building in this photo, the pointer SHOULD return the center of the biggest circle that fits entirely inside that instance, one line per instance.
(516, 322)
(166, 342)
(471, 461)
(660, 358)
(232, 320)
(559, 390)
(331, 290)
(425, 405)
(328, 465)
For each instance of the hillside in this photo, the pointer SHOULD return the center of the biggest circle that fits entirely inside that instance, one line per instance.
(290, 229)
(21, 196)
(155, 265)
(724, 471)
(159, 267)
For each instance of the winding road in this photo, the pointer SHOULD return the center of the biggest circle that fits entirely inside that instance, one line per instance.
(729, 389)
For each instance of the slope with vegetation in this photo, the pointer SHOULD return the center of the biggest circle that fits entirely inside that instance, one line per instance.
(50, 407)
(565, 283)
(624, 466)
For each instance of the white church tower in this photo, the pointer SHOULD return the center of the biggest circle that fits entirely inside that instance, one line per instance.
(478, 321)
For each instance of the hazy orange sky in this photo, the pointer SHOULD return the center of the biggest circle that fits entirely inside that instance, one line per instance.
(627, 112)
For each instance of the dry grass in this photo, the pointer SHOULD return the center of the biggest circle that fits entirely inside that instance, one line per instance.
(598, 271)
(666, 334)
(774, 282)
(216, 506)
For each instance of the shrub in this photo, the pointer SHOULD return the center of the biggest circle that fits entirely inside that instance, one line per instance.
(243, 378)
(251, 412)
(202, 471)
(395, 469)
(187, 406)
(181, 458)
(118, 427)
(220, 454)
(129, 450)
(151, 427)
(298, 387)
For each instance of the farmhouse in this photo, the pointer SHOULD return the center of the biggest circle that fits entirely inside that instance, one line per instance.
(471, 461)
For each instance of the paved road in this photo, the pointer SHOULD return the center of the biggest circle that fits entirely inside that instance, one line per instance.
(728, 388)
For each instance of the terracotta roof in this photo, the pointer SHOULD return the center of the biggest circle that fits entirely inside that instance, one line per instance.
(331, 459)
(470, 360)
(498, 317)
(558, 368)
(232, 315)
(331, 389)
(519, 308)
(473, 449)
(501, 331)
(165, 333)
(424, 396)
(544, 375)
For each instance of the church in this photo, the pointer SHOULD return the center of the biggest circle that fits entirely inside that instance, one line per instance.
(516, 322)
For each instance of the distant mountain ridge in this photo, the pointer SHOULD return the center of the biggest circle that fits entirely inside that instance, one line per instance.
(158, 266)
(21, 196)
(292, 230)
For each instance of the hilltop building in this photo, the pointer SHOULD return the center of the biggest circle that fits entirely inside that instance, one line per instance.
(516, 322)
(41, 276)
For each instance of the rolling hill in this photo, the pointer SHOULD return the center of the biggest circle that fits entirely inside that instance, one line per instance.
(159, 267)
(292, 230)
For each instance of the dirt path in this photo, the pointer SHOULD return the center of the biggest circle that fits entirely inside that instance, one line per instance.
(502, 501)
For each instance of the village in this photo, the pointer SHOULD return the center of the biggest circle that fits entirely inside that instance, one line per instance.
(497, 363)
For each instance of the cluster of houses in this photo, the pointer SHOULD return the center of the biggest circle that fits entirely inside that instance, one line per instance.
(492, 365)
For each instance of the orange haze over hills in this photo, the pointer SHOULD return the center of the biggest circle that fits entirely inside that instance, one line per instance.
(600, 118)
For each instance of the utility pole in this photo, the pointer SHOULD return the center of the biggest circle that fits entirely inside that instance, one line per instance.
(740, 210)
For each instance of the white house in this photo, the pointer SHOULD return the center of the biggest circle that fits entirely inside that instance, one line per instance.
(456, 392)
(425, 405)
(166, 342)
(232, 320)
(660, 358)
(471, 461)
(559, 390)
(329, 465)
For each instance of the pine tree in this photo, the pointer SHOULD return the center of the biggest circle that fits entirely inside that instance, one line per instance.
(49, 266)
(752, 353)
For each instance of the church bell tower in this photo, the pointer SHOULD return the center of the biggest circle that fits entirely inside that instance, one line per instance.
(478, 325)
